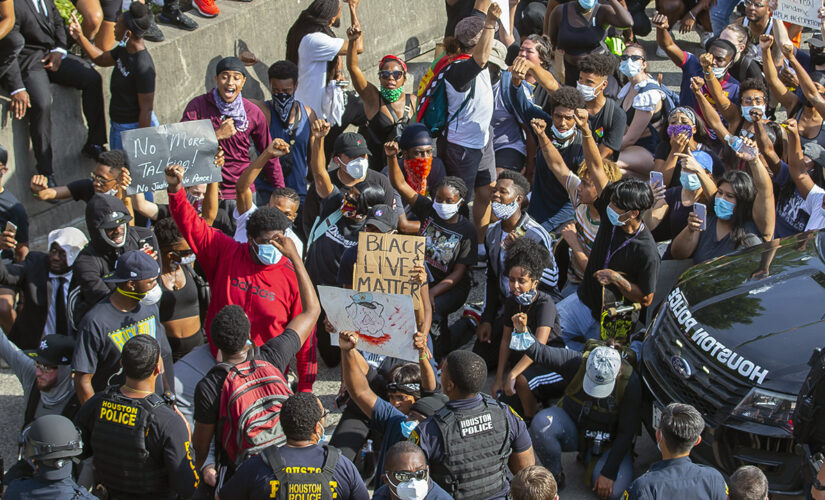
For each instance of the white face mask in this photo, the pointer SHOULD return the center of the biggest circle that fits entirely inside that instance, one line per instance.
(446, 210)
(589, 93)
(414, 489)
(111, 192)
(357, 168)
(152, 296)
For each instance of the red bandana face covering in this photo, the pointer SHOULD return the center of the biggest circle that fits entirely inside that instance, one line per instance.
(417, 171)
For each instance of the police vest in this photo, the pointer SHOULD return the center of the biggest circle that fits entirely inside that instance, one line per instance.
(122, 462)
(476, 447)
(590, 414)
(302, 482)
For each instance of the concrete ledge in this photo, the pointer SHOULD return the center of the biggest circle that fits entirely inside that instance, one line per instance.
(185, 64)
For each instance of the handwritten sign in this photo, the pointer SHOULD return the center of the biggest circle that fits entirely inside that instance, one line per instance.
(801, 12)
(150, 150)
(385, 323)
(385, 262)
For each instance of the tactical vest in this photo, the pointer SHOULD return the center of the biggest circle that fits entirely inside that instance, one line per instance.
(476, 447)
(591, 415)
(68, 411)
(302, 482)
(122, 462)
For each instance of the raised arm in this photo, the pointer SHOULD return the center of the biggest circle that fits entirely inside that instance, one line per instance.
(318, 160)
(522, 66)
(665, 41)
(428, 380)
(592, 154)
(209, 209)
(805, 82)
(304, 322)
(481, 52)
(99, 57)
(796, 165)
(354, 378)
(728, 109)
(243, 191)
(775, 85)
(658, 211)
(552, 157)
(39, 186)
(764, 208)
(712, 119)
(144, 207)
(367, 91)
(408, 194)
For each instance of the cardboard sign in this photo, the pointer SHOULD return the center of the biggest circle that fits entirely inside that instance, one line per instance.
(150, 150)
(385, 262)
(801, 12)
(385, 323)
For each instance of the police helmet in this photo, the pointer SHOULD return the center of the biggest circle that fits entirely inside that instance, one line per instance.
(51, 438)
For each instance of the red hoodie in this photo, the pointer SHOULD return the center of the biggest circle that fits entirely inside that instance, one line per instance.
(268, 294)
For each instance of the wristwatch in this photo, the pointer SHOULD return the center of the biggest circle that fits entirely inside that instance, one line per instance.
(817, 485)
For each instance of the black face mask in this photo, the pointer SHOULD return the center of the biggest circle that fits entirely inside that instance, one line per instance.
(817, 56)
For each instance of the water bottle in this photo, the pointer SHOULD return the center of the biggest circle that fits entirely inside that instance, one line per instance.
(738, 144)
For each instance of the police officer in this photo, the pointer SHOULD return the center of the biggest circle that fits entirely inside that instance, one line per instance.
(49, 445)
(597, 416)
(472, 440)
(139, 443)
(406, 476)
(679, 431)
(809, 424)
(301, 469)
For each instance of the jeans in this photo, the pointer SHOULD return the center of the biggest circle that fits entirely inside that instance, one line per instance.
(115, 141)
(553, 432)
(720, 14)
(577, 323)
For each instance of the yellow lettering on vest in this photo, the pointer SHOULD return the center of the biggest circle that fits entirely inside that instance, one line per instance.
(332, 486)
(118, 414)
(273, 488)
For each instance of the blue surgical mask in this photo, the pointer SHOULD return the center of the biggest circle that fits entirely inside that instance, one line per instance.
(323, 436)
(526, 298)
(587, 4)
(690, 181)
(630, 68)
(614, 217)
(521, 341)
(723, 208)
(562, 135)
(746, 111)
(407, 427)
(268, 254)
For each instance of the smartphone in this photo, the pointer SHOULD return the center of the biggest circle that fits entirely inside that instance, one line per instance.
(656, 178)
(11, 226)
(701, 211)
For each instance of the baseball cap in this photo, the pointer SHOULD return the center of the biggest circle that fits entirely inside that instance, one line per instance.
(383, 218)
(351, 144)
(468, 30)
(230, 64)
(133, 265)
(815, 152)
(816, 41)
(703, 159)
(53, 350)
(603, 365)
(498, 54)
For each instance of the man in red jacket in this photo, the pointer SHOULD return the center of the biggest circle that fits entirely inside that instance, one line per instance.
(252, 275)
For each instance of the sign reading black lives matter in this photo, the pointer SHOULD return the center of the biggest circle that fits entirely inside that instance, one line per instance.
(150, 150)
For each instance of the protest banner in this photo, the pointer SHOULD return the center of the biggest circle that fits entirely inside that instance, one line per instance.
(150, 150)
(801, 12)
(385, 262)
(385, 323)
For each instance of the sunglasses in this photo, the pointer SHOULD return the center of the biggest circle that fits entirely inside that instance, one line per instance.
(45, 368)
(632, 57)
(386, 74)
(99, 178)
(184, 253)
(403, 476)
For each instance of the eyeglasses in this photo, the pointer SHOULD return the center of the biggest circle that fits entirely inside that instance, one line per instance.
(632, 57)
(386, 74)
(99, 178)
(324, 415)
(751, 3)
(402, 476)
(753, 101)
(45, 368)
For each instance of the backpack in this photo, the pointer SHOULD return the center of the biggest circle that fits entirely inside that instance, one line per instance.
(250, 410)
(432, 96)
(671, 99)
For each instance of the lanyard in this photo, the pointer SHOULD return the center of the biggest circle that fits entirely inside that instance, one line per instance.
(624, 244)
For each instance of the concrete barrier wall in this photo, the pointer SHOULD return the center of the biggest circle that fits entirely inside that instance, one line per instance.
(185, 65)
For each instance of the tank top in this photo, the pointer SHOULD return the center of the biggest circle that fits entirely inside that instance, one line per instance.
(382, 128)
(582, 39)
(294, 165)
(180, 303)
(820, 137)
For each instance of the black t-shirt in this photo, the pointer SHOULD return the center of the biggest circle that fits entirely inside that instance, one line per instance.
(166, 441)
(608, 125)
(102, 333)
(637, 261)
(325, 253)
(81, 189)
(663, 150)
(447, 244)
(541, 313)
(277, 351)
(11, 210)
(312, 203)
(254, 478)
(676, 217)
(133, 74)
(347, 267)
(455, 13)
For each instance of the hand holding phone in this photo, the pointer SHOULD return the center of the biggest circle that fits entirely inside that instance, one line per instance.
(701, 211)
(656, 178)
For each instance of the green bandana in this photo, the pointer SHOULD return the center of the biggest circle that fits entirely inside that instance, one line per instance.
(391, 95)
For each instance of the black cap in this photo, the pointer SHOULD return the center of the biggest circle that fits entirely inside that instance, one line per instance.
(230, 64)
(4, 156)
(816, 40)
(53, 350)
(105, 212)
(383, 218)
(133, 265)
(351, 144)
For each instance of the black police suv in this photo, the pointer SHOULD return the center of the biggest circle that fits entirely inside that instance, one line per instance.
(733, 338)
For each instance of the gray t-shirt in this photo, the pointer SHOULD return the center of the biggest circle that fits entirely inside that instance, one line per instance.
(709, 248)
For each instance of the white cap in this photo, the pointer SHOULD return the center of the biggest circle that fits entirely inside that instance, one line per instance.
(603, 365)
(71, 240)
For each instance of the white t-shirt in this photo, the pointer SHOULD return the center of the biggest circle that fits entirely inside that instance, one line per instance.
(240, 229)
(471, 127)
(314, 52)
(813, 206)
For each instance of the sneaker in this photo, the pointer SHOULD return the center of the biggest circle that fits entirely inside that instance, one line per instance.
(207, 8)
(154, 34)
(472, 311)
(177, 19)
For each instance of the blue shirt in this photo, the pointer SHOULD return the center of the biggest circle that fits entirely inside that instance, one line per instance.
(428, 436)
(690, 68)
(297, 136)
(436, 493)
(386, 419)
(674, 478)
(34, 488)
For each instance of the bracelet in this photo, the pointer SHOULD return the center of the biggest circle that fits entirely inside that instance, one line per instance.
(587, 136)
(424, 358)
(489, 27)
(691, 15)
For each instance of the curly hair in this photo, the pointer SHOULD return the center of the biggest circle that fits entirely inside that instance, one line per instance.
(529, 255)
(611, 169)
(299, 414)
(565, 96)
(115, 158)
(266, 219)
(753, 83)
(467, 371)
(230, 329)
(167, 232)
(598, 64)
(406, 374)
(519, 181)
(283, 70)
(453, 182)
(543, 49)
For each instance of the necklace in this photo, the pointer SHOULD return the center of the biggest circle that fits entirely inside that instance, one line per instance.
(171, 279)
(132, 389)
